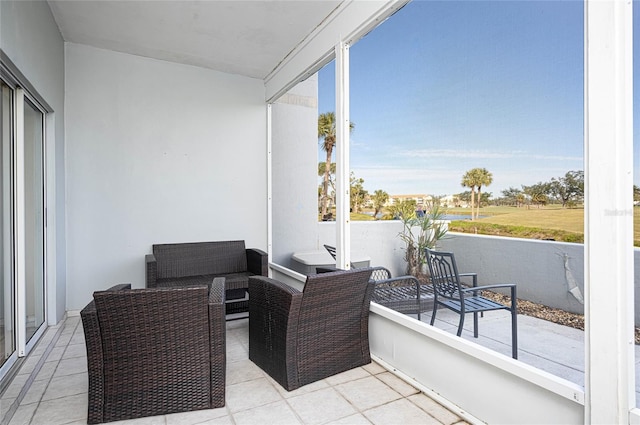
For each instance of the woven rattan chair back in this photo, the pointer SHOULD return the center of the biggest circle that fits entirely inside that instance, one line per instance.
(154, 351)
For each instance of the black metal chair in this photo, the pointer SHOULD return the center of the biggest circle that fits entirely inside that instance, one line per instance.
(404, 294)
(450, 293)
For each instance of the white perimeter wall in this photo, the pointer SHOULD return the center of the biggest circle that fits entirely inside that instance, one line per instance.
(157, 152)
(29, 36)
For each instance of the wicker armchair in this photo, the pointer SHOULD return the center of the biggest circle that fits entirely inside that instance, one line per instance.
(302, 337)
(154, 351)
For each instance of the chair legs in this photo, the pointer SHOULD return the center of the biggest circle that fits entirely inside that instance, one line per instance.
(433, 315)
(461, 324)
(514, 332)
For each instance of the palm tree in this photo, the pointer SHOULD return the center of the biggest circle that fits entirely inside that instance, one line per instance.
(380, 197)
(476, 178)
(468, 180)
(327, 132)
(483, 177)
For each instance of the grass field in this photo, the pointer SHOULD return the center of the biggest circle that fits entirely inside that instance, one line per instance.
(551, 222)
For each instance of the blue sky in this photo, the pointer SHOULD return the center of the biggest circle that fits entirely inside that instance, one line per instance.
(445, 86)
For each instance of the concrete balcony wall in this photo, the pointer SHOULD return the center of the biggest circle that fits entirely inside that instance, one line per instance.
(545, 271)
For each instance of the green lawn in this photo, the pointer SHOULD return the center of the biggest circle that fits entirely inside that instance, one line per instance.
(551, 222)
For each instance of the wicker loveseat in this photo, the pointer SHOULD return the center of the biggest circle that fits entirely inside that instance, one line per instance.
(302, 337)
(198, 263)
(154, 351)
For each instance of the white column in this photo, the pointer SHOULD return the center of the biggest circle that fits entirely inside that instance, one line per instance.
(343, 220)
(609, 379)
(19, 229)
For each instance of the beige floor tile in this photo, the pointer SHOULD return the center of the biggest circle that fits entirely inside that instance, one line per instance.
(242, 370)
(150, 420)
(56, 354)
(76, 350)
(357, 419)
(78, 338)
(399, 412)
(367, 392)
(196, 417)
(436, 410)
(321, 406)
(314, 386)
(70, 367)
(250, 394)
(374, 368)
(15, 386)
(274, 413)
(63, 386)
(397, 384)
(23, 414)
(29, 364)
(61, 410)
(64, 339)
(36, 390)
(347, 376)
(46, 371)
(236, 352)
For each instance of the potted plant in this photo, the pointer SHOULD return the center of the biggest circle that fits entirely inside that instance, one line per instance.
(420, 230)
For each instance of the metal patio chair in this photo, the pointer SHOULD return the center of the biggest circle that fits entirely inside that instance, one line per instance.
(450, 293)
(404, 294)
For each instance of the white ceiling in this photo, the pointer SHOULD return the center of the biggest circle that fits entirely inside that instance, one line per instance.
(249, 38)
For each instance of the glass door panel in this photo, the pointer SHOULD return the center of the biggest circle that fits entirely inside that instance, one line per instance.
(7, 293)
(34, 217)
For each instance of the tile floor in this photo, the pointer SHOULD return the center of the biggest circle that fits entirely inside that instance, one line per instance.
(51, 388)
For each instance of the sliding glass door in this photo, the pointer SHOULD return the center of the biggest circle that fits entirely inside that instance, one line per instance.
(7, 283)
(22, 223)
(33, 218)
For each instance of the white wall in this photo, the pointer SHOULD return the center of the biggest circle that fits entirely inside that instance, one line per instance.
(30, 38)
(157, 152)
(294, 129)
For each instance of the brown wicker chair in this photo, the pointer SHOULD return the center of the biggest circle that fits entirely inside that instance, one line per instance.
(302, 337)
(154, 351)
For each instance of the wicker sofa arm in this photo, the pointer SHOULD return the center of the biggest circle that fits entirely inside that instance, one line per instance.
(95, 357)
(257, 262)
(274, 309)
(217, 341)
(151, 271)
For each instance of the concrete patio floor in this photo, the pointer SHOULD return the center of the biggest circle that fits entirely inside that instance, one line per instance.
(51, 388)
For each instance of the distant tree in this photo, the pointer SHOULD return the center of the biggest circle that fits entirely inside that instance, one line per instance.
(468, 180)
(475, 179)
(568, 189)
(403, 210)
(327, 135)
(331, 196)
(464, 196)
(537, 193)
(357, 192)
(484, 178)
(513, 196)
(380, 198)
(636, 194)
